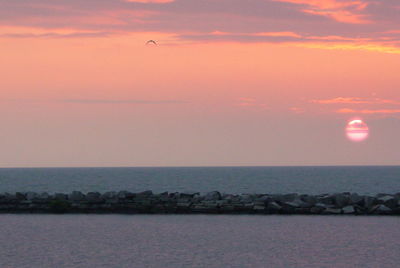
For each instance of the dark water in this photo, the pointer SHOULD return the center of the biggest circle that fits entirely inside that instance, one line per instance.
(310, 180)
(198, 241)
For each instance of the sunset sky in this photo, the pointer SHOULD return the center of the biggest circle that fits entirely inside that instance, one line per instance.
(231, 82)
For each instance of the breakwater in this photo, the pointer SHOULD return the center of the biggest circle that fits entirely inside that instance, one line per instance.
(191, 202)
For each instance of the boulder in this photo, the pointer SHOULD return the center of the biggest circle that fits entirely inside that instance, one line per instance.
(20, 196)
(93, 197)
(389, 201)
(326, 199)
(369, 202)
(212, 196)
(60, 196)
(31, 195)
(259, 208)
(341, 200)
(188, 194)
(76, 196)
(355, 199)
(146, 193)
(309, 199)
(334, 211)
(274, 206)
(109, 195)
(316, 210)
(348, 210)
(381, 209)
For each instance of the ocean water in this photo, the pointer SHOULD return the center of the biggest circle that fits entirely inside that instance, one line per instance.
(307, 180)
(154, 241)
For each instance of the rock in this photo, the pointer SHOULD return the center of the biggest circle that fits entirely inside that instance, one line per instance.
(369, 202)
(297, 203)
(60, 196)
(263, 199)
(188, 194)
(332, 211)
(348, 210)
(326, 199)
(146, 193)
(309, 199)
(259, 208)
(341, 200)
(316, 210)
(94, 197)
(246, 198)
(20, 196)
(389, 201)
(355, 199)
(31, 195)
(76, 196)
(381, 209)
(109, 195)
(286, 197)
(215, 195)
(274, 206)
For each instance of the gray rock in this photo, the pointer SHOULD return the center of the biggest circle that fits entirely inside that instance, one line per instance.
(348, 210)
(355, 199)
(381, 209)
(389, 201)
(332, 211)
(146, 193)
(60, 196)
(341, 200)
(109, 195)
(76, 196)
(326, 199)
(297, 203)
(274, 206)
(316, 210)
(369, 202)
(31, 195)
(309, 199)
(215, 195)
(20, 196)
(259, 208)
(246, 198)
(93, 197)
(43, 196)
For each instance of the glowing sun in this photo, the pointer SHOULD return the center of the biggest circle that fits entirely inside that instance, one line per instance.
(357, 130)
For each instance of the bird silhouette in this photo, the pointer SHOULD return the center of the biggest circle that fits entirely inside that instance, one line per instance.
(151, 42)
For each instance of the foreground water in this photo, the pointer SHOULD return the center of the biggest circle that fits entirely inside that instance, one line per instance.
(198, 241)
(309, 180)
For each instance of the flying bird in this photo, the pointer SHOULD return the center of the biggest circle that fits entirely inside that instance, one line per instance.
(151, 42)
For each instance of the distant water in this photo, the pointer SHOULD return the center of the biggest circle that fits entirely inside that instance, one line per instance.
(154, 241)
(309, 180)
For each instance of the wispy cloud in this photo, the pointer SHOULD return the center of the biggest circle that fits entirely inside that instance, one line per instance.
(355, 100)
(342, 11)
(366, 111)
(130, 101)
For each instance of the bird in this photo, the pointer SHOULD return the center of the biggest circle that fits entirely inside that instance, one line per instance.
(151, 42)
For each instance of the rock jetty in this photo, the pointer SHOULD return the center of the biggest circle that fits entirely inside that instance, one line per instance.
(192, 202)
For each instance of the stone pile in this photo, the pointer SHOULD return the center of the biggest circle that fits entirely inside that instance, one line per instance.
(192, 202)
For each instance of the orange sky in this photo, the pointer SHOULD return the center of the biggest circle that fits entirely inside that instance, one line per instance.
(83, 89)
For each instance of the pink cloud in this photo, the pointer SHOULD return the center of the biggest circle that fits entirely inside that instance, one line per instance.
(380, 111)
(352, 100)
(341, 11)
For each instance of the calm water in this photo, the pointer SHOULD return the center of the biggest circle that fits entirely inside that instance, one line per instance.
(198, 241)
(311, 180)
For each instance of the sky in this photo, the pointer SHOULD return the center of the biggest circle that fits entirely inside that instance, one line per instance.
(230, 82)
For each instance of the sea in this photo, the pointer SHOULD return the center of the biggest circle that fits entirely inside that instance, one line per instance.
(210, 241)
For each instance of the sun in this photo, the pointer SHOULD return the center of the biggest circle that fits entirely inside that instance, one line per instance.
(357, 130)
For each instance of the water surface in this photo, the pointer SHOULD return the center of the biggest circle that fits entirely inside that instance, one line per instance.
(173, 241)
(309, 180)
